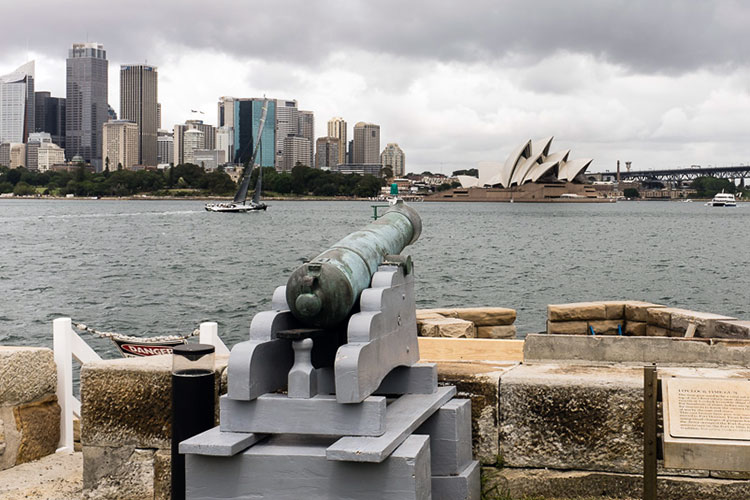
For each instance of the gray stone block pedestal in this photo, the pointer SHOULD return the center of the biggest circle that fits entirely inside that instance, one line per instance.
(375, 425)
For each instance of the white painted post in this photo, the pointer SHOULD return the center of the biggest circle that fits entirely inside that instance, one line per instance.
(210, 335)
(62, 346)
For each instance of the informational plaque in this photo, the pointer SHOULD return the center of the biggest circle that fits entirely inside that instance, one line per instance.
(701, 408)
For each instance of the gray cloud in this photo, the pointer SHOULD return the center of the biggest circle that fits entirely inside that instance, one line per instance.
(669, 36)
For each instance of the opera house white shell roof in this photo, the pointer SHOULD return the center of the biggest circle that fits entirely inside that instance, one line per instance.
(530, 162)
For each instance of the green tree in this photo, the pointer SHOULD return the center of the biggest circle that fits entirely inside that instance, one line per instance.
(23, 189)
(6, 187)
(386, 172)
(473, 172)
(367, 187)
(631, 193)
(707, 187)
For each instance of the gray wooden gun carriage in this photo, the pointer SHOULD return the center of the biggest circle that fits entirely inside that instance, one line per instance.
(327, 400)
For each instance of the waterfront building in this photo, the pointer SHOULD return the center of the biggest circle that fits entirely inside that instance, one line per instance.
(358, 168)
(193, 139)
(225, 142)
(327, 152)
(225, 117)
(139, 103)
(393, 156)
(296, 149)
(307, 130)
(86, 108)
(50, 116)
(209, 132)
(36, 139)
(209, 159)
(13, 154)
(247, 112)
(17, 103)
(49, 154)
(337, 129)
(121, 139)
(366, 143)
(164, 148)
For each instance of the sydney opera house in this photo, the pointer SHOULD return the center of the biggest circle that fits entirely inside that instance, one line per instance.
(530, 173)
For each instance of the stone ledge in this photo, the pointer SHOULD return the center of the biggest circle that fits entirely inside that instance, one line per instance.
(542, 483)
(572, 417)
(480, 383)
(26, 374)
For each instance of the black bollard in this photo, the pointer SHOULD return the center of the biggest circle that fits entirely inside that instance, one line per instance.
(193, 394)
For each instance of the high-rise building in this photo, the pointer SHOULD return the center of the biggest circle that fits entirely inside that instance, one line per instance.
(296, 150)
(287, 125)
(226, 112)
(209, 159)
(86, 102)
(158, 116)
(247, 113)
(208, 139)
(337, 129)
(12, 154)
(366, 143)
(307, 130)
(225, 142)
(138, 103)
(193, 139)
(121, 143)
(17, 104)
(165, 148)
(50, 116)
(326, 152)
(209, 132)
(393, 156)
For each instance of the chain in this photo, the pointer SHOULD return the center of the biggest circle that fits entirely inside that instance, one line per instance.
(130, 338)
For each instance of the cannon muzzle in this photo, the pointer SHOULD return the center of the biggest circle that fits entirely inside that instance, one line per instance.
(322, 292)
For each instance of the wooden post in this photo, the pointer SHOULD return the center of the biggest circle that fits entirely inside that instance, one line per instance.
(650, 387)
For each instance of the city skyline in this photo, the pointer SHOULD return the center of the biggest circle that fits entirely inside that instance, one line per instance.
(459, 86)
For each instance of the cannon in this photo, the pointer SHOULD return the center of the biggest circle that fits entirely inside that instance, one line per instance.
(321, 293)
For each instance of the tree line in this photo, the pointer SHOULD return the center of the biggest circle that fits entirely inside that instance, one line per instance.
(182, 180)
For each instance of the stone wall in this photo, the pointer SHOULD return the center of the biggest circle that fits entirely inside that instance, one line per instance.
(635, 318)
(467, 322)
(126, 427)
(29, 413)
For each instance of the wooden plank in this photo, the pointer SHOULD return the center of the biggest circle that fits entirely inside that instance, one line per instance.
(403, 417)
(446, 349)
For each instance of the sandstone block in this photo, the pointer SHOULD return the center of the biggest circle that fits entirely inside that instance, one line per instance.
(738, 329)
(614, 309)
(657, 331)
(704, 322)
(606, 327)
(26, 374)
(568, 327)
(125, 473)
(572, 417)
(480, 316)
(447, 327)
(39, 424)
(497, 332)
(423, 314)
(480, 383)
(638, 311)
(129, 402)
(635, 328)
(578, 311)
(661, 316)
(540, 483)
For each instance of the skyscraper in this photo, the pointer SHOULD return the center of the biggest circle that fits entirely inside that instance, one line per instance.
(287, 124)
(50, 116)
(120, 144)
(307, 130)
(247, 114)
(138, 102)
(86, 102)
(337, 129)
(393, 156)
(17, 104)
(366, 143)
(326, 152)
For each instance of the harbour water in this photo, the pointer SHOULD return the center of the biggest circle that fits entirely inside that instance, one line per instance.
(162, 267)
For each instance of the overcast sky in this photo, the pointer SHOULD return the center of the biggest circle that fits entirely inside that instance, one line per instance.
(659, 83)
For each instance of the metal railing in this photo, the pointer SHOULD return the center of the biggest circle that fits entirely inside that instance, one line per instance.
(67, 344)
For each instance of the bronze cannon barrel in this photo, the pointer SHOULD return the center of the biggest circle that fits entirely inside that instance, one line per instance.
(322, 292)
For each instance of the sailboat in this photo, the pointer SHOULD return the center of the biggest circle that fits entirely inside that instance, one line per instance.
(239, 204)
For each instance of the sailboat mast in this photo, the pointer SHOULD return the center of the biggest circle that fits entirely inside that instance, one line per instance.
(241, 195)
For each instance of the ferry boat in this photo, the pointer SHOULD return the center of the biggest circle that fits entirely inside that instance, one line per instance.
(722, 200)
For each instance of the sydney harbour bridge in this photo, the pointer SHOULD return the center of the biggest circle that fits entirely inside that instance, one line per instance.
(741, 173)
